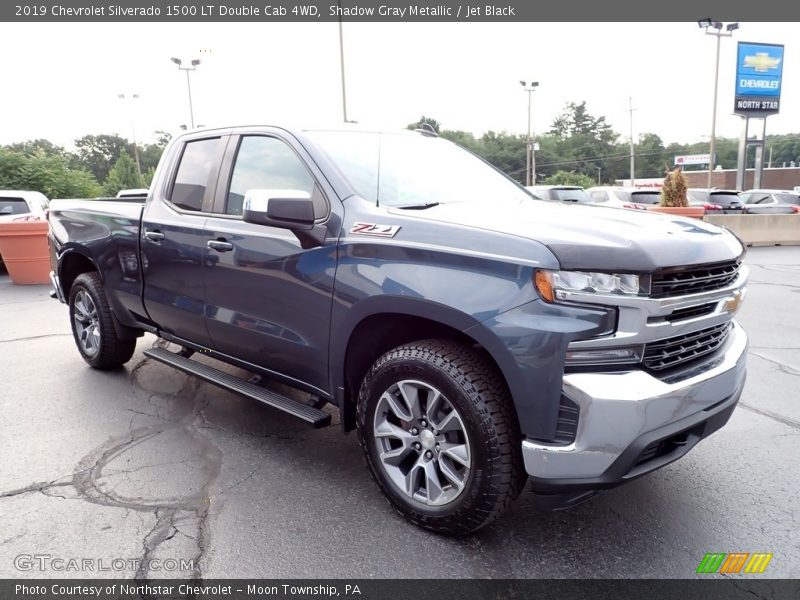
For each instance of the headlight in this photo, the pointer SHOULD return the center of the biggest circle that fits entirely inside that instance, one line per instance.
(552, 284)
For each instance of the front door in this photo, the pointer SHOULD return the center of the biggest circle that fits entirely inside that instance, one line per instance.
(268, 299)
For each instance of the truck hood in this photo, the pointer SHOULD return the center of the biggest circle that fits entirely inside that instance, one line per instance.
(596, 238)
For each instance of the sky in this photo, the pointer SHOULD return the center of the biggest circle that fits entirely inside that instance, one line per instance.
(62, 80)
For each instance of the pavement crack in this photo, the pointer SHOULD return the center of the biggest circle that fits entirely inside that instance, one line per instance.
(770, 415)
(40, 486)
(782, 366)
(35, 337)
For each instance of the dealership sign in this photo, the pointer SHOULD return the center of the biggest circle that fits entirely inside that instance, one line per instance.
(759, 68)
(693, 159)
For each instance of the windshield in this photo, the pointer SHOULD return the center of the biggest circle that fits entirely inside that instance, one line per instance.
(412, 170)
(574, 195)
(646, 197)
(725, 198)
(13, 206)
(787, 198)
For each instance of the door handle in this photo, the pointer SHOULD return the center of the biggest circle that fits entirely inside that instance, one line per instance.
(154, 236)
(219, 245)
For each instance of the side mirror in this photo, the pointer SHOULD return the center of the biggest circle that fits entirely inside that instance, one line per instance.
(288, 209)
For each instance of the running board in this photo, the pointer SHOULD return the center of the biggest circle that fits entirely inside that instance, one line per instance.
(313, 416)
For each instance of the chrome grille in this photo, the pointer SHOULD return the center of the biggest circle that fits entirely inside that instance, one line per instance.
(680, 349)
(692, 280)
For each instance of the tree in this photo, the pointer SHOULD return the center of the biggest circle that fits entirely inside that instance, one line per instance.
(51, 175)
(423, 120)
(569, 178)
(99, 153)
(650, 156)
(123, 175)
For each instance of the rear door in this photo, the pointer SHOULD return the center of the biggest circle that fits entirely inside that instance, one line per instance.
(268, 298)
(173, 240)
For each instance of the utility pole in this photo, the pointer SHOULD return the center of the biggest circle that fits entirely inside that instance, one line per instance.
(134, 97)
(194, 63)
(341, 63)
(630, 112)
(530, 157)
(715, 28)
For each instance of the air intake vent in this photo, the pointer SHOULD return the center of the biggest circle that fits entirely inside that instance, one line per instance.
(567, 424)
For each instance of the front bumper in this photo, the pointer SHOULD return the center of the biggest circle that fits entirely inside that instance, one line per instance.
(632, 423)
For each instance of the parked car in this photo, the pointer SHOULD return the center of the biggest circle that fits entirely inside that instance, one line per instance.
(471, 336)
(626, 197)
(560, 193)
(769, 202)
(17, 204)
(716, 201)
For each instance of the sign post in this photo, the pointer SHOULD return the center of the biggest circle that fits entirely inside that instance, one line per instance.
(759, 70)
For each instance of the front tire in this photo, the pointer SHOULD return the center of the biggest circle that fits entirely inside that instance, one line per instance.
(439, 435)
(93, 325)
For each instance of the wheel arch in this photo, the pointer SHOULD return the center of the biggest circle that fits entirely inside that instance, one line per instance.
(375, 332)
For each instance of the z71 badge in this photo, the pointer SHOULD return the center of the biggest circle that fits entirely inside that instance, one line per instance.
(375, 229)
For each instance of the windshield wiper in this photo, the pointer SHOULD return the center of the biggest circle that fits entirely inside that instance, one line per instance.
(418, 206)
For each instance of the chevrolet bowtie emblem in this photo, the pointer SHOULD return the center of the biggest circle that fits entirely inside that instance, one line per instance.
(733, 304)
(761, 62)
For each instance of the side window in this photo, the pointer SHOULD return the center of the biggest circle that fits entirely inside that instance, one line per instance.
(763, 200)
(264, 163)
(198, 161)
(599, 196)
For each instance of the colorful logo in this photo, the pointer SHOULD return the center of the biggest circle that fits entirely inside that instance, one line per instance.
(736, 562)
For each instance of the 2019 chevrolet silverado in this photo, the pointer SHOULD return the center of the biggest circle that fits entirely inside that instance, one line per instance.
(473, 335)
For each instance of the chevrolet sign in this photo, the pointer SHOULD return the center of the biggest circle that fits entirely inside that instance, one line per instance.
(759, 68)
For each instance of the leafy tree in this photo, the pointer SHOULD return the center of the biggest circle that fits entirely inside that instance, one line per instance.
(51, 175)
(123, 175)
(425, 120)
(650, 156)
(98, 153)
(39, 146)
(569, 178)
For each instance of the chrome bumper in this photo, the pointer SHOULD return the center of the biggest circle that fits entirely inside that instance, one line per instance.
(618, 411)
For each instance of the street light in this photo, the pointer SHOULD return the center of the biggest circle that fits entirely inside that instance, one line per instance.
(194, 64)
(715, 28)
(530, 158)
(134, 97)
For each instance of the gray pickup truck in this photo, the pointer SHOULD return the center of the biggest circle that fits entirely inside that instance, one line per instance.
(473, 335)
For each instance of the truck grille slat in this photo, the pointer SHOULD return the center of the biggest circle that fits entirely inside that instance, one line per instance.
(680, 349)
(694, 280)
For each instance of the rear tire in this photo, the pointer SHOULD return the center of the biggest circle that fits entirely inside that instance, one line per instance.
(440, 436)
(93, 325)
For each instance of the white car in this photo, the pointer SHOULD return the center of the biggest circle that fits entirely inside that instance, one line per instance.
(624, 197)
(17, 204)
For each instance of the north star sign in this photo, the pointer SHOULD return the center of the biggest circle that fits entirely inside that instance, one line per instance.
(759, 68)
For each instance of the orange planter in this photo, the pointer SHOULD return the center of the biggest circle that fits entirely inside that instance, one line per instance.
(696, 212)
(23, 246)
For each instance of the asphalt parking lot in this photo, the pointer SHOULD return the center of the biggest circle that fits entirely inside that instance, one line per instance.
(146, 462)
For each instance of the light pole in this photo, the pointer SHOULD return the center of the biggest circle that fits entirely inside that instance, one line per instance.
(530, 157)
(341, 63)
(133, 129)
(194, 63)
(715, 28)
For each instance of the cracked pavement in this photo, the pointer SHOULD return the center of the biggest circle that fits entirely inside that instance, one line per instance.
(146, 464)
